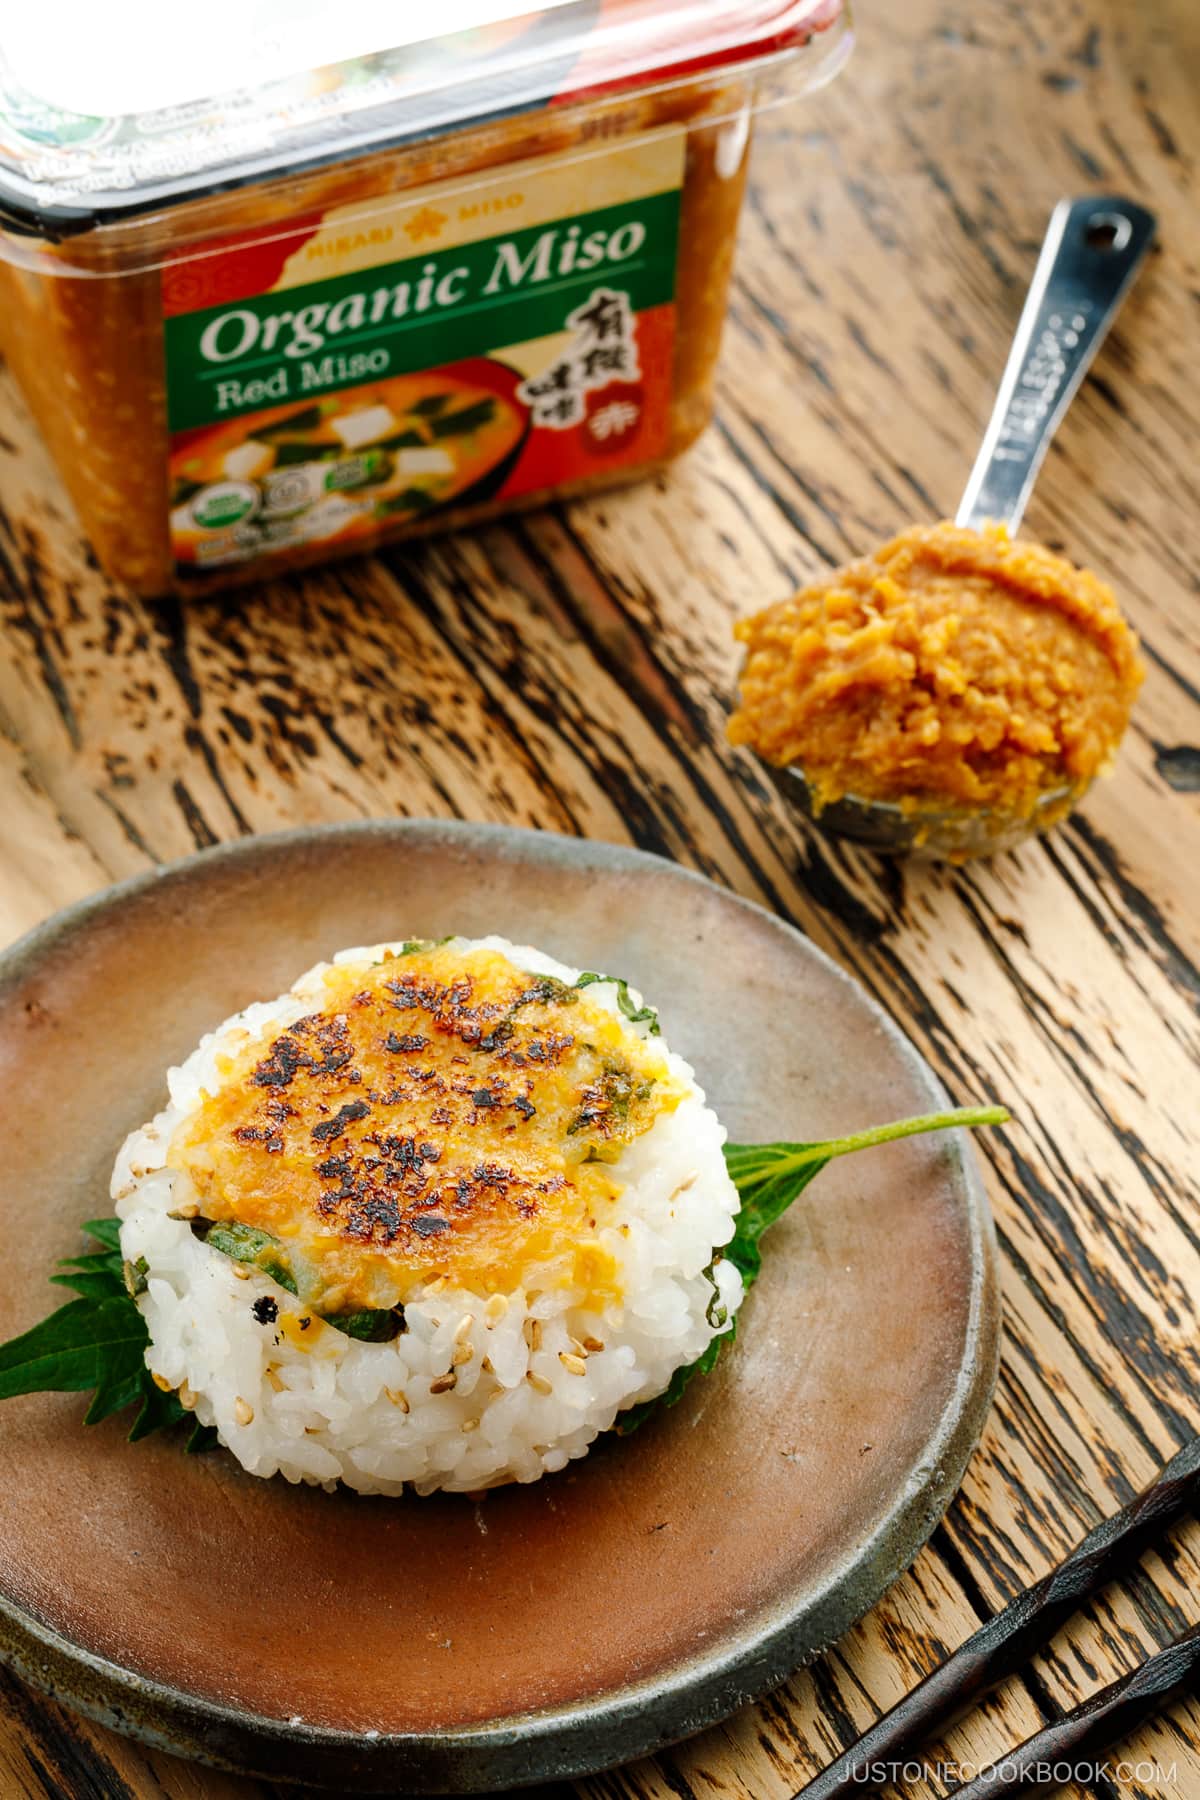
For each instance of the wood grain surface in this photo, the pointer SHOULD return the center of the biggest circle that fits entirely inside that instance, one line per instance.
(573, 670)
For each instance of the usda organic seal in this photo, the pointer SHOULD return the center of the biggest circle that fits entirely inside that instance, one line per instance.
(224, 503)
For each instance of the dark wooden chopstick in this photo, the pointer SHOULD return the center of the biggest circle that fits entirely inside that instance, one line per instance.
(1005, 1642)
(1075, 1741)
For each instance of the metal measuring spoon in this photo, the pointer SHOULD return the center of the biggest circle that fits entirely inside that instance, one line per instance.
(1091, 253)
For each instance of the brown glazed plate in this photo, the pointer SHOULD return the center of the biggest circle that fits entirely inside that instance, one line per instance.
(440, 1645)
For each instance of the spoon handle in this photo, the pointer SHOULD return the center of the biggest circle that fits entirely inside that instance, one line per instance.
(1093, 249)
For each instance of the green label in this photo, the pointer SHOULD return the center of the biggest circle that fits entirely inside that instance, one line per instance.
(401, 317)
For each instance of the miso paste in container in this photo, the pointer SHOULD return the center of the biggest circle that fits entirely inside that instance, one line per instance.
(389, 287)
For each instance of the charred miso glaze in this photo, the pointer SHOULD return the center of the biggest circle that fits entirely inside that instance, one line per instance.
(442, 1111)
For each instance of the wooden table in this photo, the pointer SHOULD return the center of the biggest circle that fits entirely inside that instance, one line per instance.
(573, 671)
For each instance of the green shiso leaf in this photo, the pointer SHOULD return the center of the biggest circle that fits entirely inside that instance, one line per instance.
(637, 1015)
(93, 1287)
(108, 1262)
(245, 1244)
(158, 1410)
(370, 1326)
(85, 1344)
(134, 1274)
(105, 1231)
(96, 1276)
(674, 1390)
(121, 1382)
(97, 1342)
(768, 1177)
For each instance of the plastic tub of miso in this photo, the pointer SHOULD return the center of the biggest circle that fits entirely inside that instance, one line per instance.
(385, 290)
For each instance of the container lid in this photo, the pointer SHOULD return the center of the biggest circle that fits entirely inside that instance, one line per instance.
(108, 111)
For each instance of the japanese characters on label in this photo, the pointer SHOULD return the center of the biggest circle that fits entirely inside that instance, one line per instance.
(604, 350)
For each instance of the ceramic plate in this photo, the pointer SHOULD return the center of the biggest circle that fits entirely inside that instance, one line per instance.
(439, 1644)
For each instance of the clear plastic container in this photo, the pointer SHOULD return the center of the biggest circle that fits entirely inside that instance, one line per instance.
(382, 291)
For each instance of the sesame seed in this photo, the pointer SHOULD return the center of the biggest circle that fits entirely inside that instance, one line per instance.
(574, 1365)
(593, 1343)
(687, 1182)
(398, 1397)
(486, 1366)
(187, 1397)
(495, 1310)
(470, 1425)
(161, 1382)
(241, 1272)
(462, 1328)
(441, 1384)
(538, 1382)
(533, 1333)
(462, 1354)
(576, 1346)
(275, 1379)
(243, 1412)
